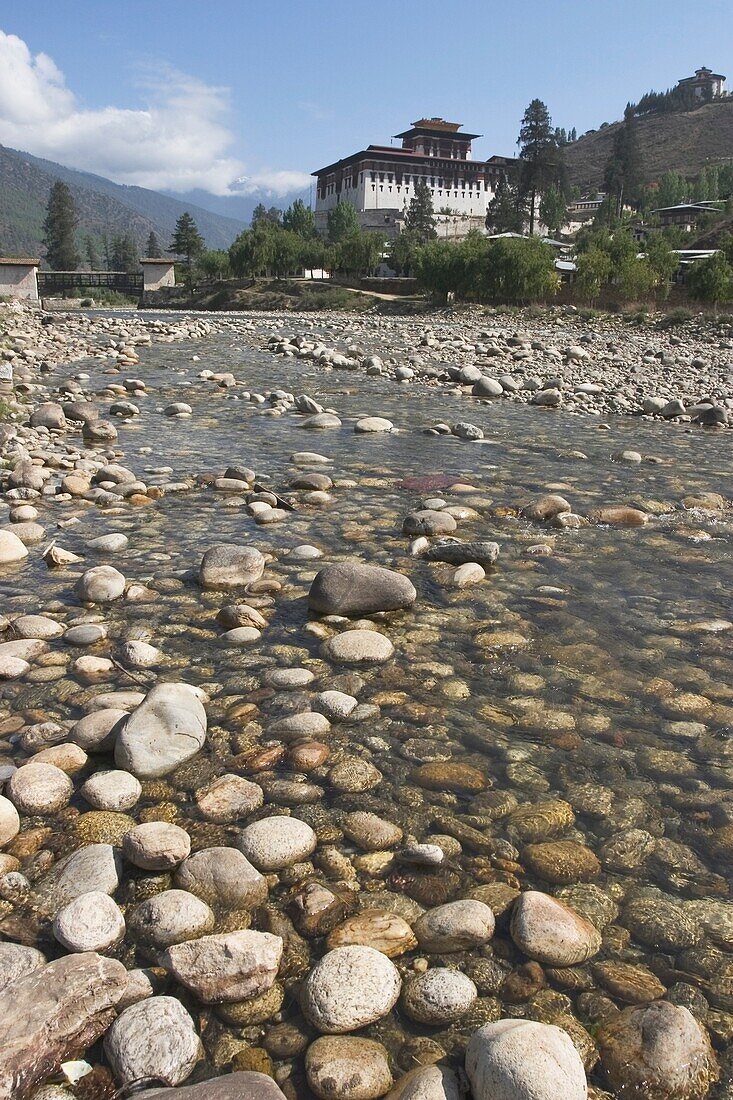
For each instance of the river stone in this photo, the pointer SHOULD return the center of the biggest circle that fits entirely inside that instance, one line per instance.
(455, 926)
(536, 821)
(561, 861)
(228, 798)
(275, 843)
(659, 923)
(524, 1060)
(349, 988)
(165, 730)
(384, 931)
(40, 789)
(546, 508)
(551, 932)
(153, 1038)
(229, 967)
(634, 984)
(53, 1013)
(9, 821)
(348, 1068)
(91, 922)
(429, 522)
(11, 548)
(657, 1050)
(359, 647)
(91, 868)
(228, 566)
(17, 961)
(222, 877)
(244, 1085)
(101, 584)
(96, 732)
(37, 626)
(373, 424)
(156, 845)
(371, 832)
(439, 996)
(450, 776)
(172, 916)
(321, 420)
(113, 790)
(354, 589)
(427, 1083)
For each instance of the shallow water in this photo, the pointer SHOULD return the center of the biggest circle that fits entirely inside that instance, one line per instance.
(607, 663)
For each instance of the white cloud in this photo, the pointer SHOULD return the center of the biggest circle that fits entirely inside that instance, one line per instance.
(275, 184)
(179, 141)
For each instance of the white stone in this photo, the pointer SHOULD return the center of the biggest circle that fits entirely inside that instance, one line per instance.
(91, 922)
(153, 1038)
(524, 1060)
(349, 988)
(113, 790)
(40, 789)
(277, 842)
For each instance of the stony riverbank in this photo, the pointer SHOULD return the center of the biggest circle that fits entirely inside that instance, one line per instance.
(393, 767)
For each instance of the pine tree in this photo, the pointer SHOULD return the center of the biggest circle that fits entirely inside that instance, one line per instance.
(186, 240)
(59, 228)
(420, 216)
(299, 219)
(622, 177)
(505, 212)
(152, 249)
(92, 254)
(539, 155)
(343, 222)
(124, 253)
(553, 209)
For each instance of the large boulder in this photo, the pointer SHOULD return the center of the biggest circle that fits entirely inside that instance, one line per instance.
(229, 566)
(354, 589)
(100, 584)
(349, 988)
(247, 1085)
(55, 1011)
(168, 728)
(153, 1038)
(232, 966)
(524, 1060)
(551, 932)
(11, 548)
(657, 1050)
(17, 961)
(48, 415)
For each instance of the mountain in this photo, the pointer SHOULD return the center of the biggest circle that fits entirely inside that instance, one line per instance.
(240, 207)
(683, 141)
(103, 207)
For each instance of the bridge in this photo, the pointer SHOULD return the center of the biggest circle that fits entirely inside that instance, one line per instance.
(21, 278)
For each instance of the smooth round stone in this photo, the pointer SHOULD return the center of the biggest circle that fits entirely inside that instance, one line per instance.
(101, 584)
(137, 654)
(310, 458)
(240, 635)
(155, 1038)
(85, 634)
(113, 790)
(467, 574)
(349, 988)
(156, 845)
(9, 821)
(353, 775)
(275, 843)
(371, 832)
(91, 922)
(40, 789)
(321, 420)
(37, 626)
(348, 1068)
(306, 723)
(384, 931)
(359, 647)
(109, 544)
(373, 424)
(524, 1060)
(305, 552)
(228, 798)
(551, 932)
(561, 861)
(94, 732)
(353, 589)
(439, 996)
(173, 916)
(658, 1049)
(240, 614)
(12, 549)
(427, 1083)
(289, 679)
(455, 926)
(222, 877)
(427, 522)
(336, 705)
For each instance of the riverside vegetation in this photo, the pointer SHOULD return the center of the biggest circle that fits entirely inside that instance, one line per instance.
(365, 698)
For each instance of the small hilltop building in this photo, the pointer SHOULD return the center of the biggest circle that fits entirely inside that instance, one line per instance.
(704, 86)
(380, 180)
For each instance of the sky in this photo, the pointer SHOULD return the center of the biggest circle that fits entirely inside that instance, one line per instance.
(243, 97)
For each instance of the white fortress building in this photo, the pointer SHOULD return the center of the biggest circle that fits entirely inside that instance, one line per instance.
(380, 180)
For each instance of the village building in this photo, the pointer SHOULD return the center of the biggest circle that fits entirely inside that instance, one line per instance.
(687, 215)
(704, 85)
(380, 180)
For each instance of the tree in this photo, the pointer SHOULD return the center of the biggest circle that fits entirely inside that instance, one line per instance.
(553, 209)
(59, 228)
(360, 252)
(152, 249)
(594, 271)
(92, 253)
(186, 240)
(711, 280)
(404, 250)
(539, 155)
(662, 260)
(622, 177)
(420, 216)
(343, 221)
(214, 264)
(506, 212)
(286, 252)
(251, 253)
(261, 214)
(299, 219)
(124, 253)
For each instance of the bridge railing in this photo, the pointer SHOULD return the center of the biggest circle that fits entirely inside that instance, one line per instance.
(50, 282)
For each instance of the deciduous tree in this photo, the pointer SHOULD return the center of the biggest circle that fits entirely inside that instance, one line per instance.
(343, 221)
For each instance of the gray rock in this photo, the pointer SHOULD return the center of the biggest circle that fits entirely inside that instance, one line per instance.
(101, 584)
(470, 432)
(222, 877)
(551, 932)
(12, 550)
(233, 966)
(359, 647)
(9, 821)
(439, 996)
(114, 790)
(91, 868)
(348, 1068)
(524, 1060)
(429, 522)
(373, 425)
(228, 566)
(168, 728)
(40, 788)
(91, 922)
(153, 1038)
(353, 589)
(427, 1083)
(48, 415)
(455, 926)
(156, 845)
(170, 917)
(277, 842)
(487, 387)
(96, 732)
(462, 553)
(349, 988)
(17, 961)
(246, 1085)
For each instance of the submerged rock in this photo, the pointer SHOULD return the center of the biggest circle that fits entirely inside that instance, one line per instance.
(354, 589)
(524, 1060)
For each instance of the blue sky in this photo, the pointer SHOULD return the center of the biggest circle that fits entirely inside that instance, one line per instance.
(181, 94)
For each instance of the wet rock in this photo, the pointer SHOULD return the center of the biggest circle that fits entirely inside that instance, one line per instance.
(156, 845)
(524, 1060)
(657, 1050)
(371, 832)
(91, 868)
(551, 932)
(619, 516)
(222, 877)
(17, 961)
(40, 789)
(427, 1083)
(439, 996)
(561, 861)
(9, 821)
(354, 589)
(377, 928)
(658, 922)
(449, 776)
(245, 1085)
(91, 922)
(112, 790)
(170, 917)
(277, 842)
(228, 798)
(228, 967)
(168, 728)
(154, 1038)
(546, 508)
(12, 549)
(455, 552)
(96, 732)
(348, 1068)
(228, 566)
(100, 584)
(634, 984)
(455, 926)
(373, 424)
(429, 522)
(534, 822)
(359, 647)
(349, 988)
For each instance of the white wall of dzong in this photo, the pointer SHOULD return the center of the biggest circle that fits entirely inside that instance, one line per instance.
(377, 190)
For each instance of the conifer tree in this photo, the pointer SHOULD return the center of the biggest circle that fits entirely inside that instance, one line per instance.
(299, 219)
(505, 212)
(186, 240)
(343, 222)
(59, 229)
(152, 248)
(539, 155)
(420, 216)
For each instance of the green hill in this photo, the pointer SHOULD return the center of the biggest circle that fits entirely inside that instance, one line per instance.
(684, 141)
(103, 207)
